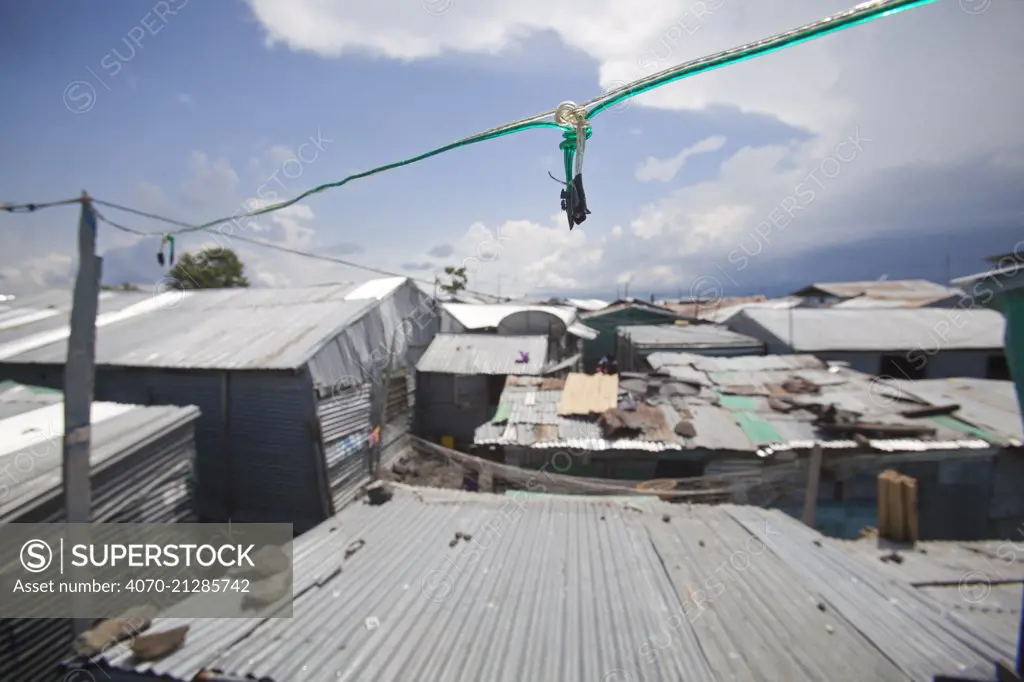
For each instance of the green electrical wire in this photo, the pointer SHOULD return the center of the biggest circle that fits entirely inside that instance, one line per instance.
(465, 142)
(865, 12)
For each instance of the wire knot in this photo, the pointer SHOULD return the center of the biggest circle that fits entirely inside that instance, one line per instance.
(571, 115)
(573, 118)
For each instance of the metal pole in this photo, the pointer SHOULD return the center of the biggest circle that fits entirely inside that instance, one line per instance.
(78, 382)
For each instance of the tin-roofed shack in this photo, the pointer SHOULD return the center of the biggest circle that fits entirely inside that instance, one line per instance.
(700, 415)
(636, 343)
(560, 325)
(141, 472)
(290, 382)
(606, 322)
(902, 343)
(460, 378)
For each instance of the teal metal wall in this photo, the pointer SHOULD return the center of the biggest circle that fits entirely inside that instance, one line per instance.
(607, 327)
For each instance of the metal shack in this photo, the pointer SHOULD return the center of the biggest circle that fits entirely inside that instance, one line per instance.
(607, 321)
(560, 324)
(459, 380)
(141, 473)
(284, 379)
(903, 343)
(636, 343)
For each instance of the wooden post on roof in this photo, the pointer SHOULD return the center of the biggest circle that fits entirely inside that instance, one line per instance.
(910, 508)
(885, 491)
(79, 374)
(813, 481)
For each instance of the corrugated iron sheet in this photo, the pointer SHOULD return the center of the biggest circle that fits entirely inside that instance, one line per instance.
(586, 394)
(141, 473)
(490, 316)
(682, 336)
(888, 288)
(485, 354)
(924, 329)
(344, 413)
(207, 329)
(550, 588)
(736, 405)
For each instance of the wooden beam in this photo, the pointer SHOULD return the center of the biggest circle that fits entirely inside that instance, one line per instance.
(813, 481)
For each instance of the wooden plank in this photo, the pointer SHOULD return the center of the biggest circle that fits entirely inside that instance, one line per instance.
(589, 394)
(883, 505)
(910, 503)
(813, 481)
(895, 506)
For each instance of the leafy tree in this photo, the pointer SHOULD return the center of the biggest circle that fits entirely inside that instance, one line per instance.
(125, 286)
(211, 269)
(457, 281)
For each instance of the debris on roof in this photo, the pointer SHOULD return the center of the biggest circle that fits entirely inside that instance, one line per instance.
(488, 354)
(729, 587)
(748, 405)
(586, 394)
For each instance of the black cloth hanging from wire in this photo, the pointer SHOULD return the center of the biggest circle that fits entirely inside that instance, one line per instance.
(573, 198)
(574, 202)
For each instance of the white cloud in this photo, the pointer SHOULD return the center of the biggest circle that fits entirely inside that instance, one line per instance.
(48, 270)
(185, 99)
(663, 170)
(210, 182)
(927, 89)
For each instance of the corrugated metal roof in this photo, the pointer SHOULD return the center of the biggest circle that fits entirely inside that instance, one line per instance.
(582, 331)
(588, 304)
(694, 308)
(893, 288)
(489, 316)
(32, 432)
(550, 588)
(207, 329)
(693, 335)
(926, 329)
(376, 288)
(623, 304)
(140, 468)
(723, 313)
(877, 302)
(744, 363)
(987, 403)
(731, 404)
(484, 354)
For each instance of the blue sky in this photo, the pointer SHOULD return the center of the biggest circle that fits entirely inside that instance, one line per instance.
(201, 110)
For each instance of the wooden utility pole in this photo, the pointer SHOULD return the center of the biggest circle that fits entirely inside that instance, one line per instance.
(813, 481)
(78, 380)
